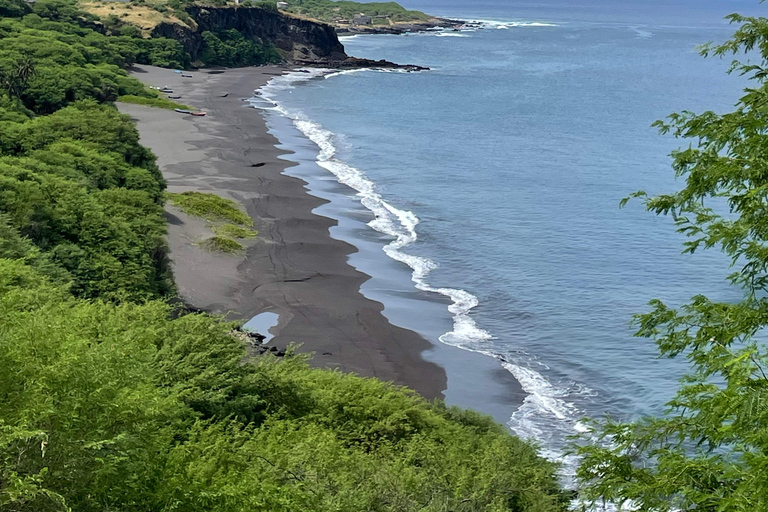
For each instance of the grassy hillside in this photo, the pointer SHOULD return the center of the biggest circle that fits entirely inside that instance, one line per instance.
(330, 11)
(145, 15)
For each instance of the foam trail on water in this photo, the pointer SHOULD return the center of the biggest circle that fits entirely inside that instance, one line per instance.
(494, 24)
(345, 72)
(389, 220)
(548, 414)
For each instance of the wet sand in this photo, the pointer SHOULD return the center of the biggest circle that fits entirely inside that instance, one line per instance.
(294, 267)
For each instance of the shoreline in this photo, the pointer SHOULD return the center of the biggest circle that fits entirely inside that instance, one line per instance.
(294, 267)
(476, 379)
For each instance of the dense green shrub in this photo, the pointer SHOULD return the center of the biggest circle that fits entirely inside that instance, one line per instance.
(81, 188)
(118, 407)
(13, 8)
(75, 64)
(166, 53)
(230, 48)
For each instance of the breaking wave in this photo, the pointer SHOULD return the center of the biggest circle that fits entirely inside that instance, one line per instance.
(389, 220)
(504, 25)
(548, 414)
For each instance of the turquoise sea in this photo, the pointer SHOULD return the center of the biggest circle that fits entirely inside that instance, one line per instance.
(483, 195)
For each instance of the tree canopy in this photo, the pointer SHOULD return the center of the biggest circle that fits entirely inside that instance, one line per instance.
(710, 451)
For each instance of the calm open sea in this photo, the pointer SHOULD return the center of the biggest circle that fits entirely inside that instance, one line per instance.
(485, 193)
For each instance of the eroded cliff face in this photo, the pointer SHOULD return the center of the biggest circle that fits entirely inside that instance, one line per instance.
(296, 39)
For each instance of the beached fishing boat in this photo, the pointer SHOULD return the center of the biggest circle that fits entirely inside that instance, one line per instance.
(199, 114)
(183, 111)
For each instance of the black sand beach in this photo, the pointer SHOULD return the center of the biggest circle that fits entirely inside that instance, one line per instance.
(293, 268)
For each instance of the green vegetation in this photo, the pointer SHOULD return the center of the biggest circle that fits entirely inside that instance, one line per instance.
(118, 407)
(233, 231)
(215, 208)
(152, 102)
(111, 399)
(222, 48)
(50, 58)
(80, 187)
(230, 48)
(329, 10)
(209, 206)
(221, 244)
(710, 451)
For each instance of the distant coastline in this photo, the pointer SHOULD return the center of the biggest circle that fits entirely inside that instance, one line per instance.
(398, 27)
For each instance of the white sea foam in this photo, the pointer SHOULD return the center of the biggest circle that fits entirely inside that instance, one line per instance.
(451, 34)
(495, 24)
(389, 220)
(548, 414)
(641, 33)
(345, 72)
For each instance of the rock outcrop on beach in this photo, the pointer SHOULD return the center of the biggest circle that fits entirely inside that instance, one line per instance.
(298, 40)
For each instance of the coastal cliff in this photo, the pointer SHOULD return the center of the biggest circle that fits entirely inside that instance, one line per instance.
(294, 38)
(297, 40)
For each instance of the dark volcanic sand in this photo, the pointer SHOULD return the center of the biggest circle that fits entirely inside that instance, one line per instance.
(294, 267)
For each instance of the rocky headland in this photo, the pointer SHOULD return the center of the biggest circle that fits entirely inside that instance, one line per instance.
(399, 28)
(298, 40)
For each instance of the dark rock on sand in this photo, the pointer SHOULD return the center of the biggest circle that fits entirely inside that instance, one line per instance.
(355, 63)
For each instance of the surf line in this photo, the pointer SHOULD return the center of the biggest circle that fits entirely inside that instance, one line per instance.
(545, 408)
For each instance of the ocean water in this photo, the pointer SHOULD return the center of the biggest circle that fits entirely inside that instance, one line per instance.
(483, 195)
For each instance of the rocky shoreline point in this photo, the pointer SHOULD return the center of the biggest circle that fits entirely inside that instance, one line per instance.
(300, 41)
(358, 63)
(395, 29)
(399, 28)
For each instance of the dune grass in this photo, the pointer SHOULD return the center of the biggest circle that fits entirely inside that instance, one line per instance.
(234, 231)
(210, 207)
(215, 209)
(221, 244)
(152, 102)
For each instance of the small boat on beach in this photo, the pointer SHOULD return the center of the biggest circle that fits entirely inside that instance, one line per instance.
(199, 114)
(183, 111)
